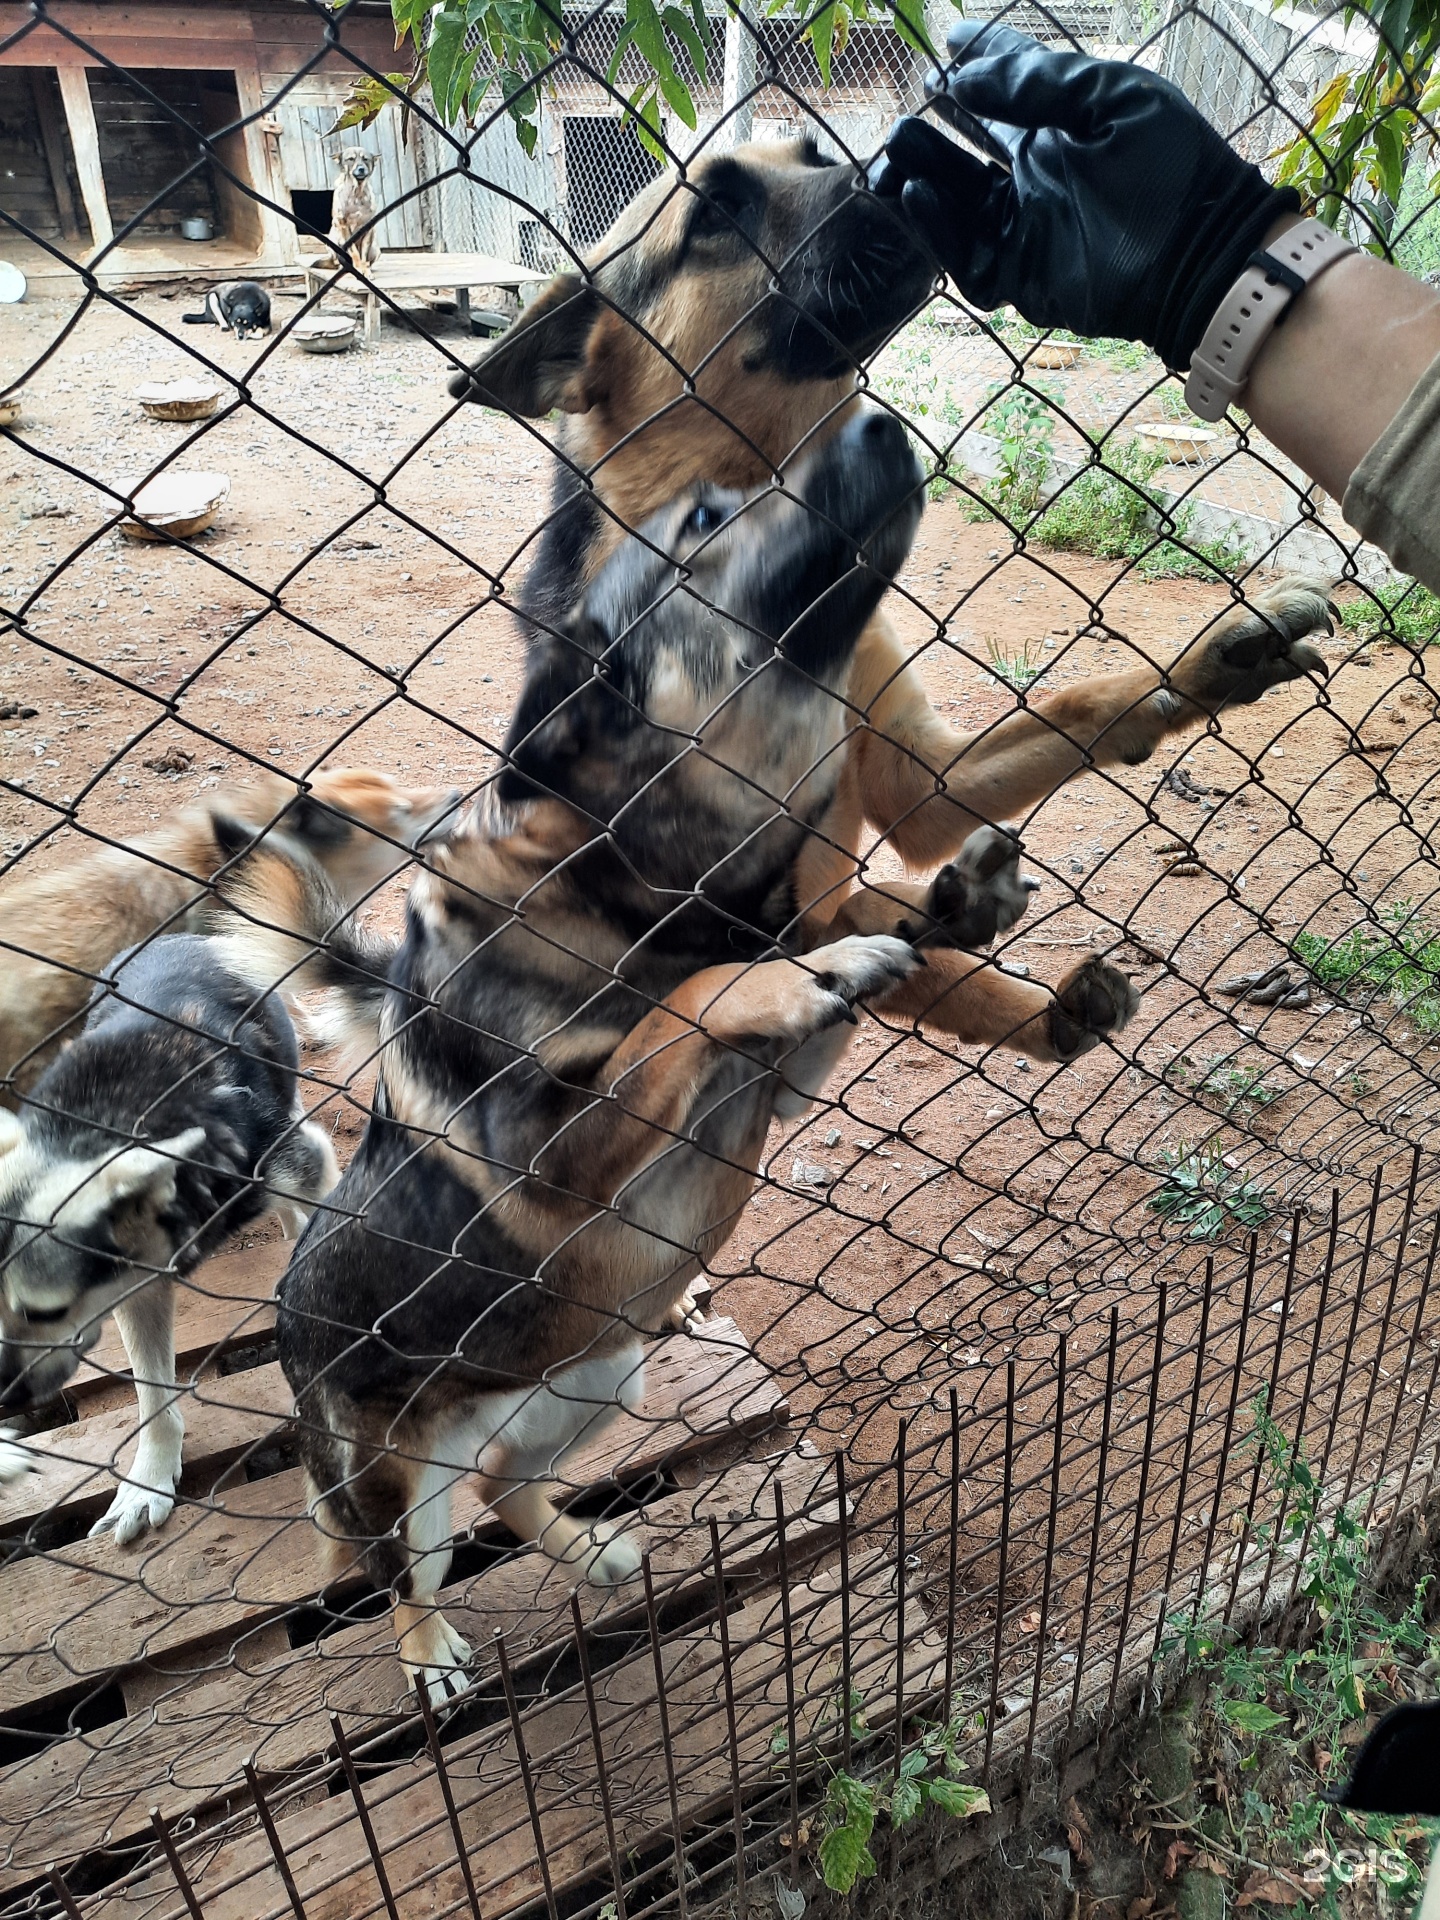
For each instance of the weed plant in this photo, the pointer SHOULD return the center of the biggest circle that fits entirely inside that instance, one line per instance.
(1399, 960)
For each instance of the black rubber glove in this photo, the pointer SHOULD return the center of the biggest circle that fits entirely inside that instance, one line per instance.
(1123, 212)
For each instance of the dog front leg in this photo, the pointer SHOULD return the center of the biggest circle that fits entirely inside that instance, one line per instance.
(147, 1494)
(962, 994)
(927, 786)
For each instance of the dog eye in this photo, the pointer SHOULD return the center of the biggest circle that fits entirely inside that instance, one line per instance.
(704, 519)
(39, 1316)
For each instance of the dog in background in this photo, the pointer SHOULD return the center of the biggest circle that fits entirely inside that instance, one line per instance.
(171, 1120)
(596, 1011)
(718, 329)
(241, 307)
(352, 209)
(61, 928)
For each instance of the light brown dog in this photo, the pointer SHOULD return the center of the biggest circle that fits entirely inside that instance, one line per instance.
(716, 333)
(353, 209)
(58, 930)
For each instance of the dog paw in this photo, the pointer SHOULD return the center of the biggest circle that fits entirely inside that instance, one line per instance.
(133, 1511)
(1263, 644)
(16, 1459)
(613, 1559)
(434, 1656)
(981, 894)
(1096, 999)
(857, 968)
(688, 1313)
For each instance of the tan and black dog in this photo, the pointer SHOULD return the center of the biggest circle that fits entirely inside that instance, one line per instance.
(717, 331)
(594, 1016)
(60, 929)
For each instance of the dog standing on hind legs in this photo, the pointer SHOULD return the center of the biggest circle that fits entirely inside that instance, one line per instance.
(593, 1019)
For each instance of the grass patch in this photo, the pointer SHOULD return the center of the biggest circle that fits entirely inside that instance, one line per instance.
(1016, 670)
(1399, 960)
(1237, 1089)
(1203, 1193)
(1403, 610)
(1278, 1721)
(1112, 512)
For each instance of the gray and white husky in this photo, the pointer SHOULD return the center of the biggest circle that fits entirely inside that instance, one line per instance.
(172, 1119)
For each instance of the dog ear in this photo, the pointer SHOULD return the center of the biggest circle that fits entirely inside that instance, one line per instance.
(540, 363)
(315, 824)
(143, 1173)
(232, 836)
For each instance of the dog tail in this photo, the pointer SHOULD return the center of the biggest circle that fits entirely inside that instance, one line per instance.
(285, 927)
(198, 319)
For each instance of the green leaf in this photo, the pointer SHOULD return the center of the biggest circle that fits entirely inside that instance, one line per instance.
(1252, 1716)
(954, 1797)
(677, 98)
(822, 38)
(844, 1859)
(409, 16)
(676, 23)
(447, 46)
(914, 1764)
(907, 1797)
(853, 1801)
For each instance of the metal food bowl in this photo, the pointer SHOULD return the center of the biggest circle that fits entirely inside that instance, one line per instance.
(9, 409)
(325, 332)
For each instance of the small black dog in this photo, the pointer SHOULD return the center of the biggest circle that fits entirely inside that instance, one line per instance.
(172, 1119)
(241, 306)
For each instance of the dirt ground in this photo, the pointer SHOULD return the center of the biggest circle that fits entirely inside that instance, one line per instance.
(940, 1210)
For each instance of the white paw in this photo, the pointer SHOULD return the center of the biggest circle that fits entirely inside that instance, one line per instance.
(688, 1313)
(862, 963)
(134, 1509)
(437, 1657)
(614, 1559)
(16, 1459)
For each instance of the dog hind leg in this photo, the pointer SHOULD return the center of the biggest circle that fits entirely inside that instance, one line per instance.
(572, 1406)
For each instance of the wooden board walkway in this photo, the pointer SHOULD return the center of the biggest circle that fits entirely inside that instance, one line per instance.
(153, 1676)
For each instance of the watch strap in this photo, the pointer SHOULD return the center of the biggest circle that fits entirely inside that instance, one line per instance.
(1251, 310)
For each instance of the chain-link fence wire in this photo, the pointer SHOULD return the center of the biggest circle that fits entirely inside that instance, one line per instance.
(974, 1418)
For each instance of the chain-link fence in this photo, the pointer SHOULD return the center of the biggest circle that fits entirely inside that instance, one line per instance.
(1010, 1283)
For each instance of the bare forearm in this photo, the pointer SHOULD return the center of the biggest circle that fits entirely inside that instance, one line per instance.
(1330, 380)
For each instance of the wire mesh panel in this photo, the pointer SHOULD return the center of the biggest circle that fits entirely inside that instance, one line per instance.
(782, 1317)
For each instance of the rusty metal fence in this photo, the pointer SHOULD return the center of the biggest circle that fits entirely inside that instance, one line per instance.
(971, 1423)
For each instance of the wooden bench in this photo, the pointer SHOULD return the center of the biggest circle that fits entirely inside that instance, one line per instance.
(412, 272)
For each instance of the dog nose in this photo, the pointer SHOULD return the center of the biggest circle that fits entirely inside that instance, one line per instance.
(875, 435)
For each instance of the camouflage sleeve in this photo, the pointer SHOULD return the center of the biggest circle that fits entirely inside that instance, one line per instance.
(1393, 498)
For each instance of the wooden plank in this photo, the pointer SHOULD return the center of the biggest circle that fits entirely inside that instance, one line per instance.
(230, 1301)
(225, 1416)
(326, 1852)
(192, 1745)
(77, 1463)
(85, 143)
(55, 160)
(88, 1611)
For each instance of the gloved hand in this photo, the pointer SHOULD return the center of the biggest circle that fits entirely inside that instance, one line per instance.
(1123, 212)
